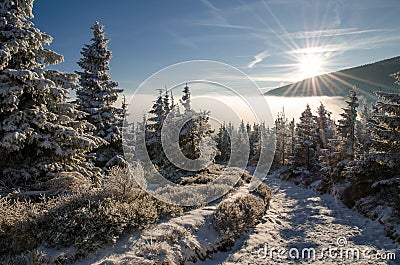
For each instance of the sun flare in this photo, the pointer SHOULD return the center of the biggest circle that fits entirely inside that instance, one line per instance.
(310, 65)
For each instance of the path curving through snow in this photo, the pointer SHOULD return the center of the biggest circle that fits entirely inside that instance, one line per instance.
(301, 221)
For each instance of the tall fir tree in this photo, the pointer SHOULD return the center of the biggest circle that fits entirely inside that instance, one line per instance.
(325, 126)
(385, 125)
(378, 171)
(153, 130)
(307, 140)
(292, 137)
(223, 140)
(39, 135)
(141, 153)
(240, 141)
(254, 137)
(264, 149)
(195, 129)
(346, 127)
(362, 128)
(194, 134)
(98, 94)
(282, 134)
(185, 101)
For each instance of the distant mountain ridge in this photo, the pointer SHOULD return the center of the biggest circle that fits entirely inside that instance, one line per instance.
(368, 78)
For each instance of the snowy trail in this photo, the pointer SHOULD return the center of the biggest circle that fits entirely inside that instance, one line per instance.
(300, 218)
(193, 228)
(297, 218)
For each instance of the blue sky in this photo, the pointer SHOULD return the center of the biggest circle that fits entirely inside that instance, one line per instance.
(274, 42)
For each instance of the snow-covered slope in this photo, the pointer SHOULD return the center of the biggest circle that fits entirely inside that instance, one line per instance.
(300, 218)
(297, 219)
(187, 238)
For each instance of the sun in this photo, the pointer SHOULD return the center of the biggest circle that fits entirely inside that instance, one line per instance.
(310, 65)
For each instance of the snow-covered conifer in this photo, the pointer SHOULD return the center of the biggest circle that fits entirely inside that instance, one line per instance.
(98, 93)
(153, 130)
(254, 137)
(240, 154)
(185, 101)
(325, 126)
(363, 133)
(223, 144)
(281, 130)
(307, 140)
(374, 172)
(346, 127)
(39, 135)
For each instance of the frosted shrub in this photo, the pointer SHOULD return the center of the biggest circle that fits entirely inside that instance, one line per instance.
(91, 221)
(264, 192)
(185, 195)
(122, 182)
(35, 257)
(161, 253)
(233, 218)
(14, 214)
(85, 221)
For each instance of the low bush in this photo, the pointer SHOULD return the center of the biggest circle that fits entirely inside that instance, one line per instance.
(233, 218)
(264, 192)
(84, 221)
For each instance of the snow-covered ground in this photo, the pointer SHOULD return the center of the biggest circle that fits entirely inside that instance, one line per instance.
(298, 221)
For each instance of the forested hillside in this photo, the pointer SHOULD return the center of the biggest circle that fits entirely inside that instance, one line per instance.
(368, 78)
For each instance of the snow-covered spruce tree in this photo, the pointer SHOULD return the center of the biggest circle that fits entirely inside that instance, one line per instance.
(168, 101)
(194, 136)
(339, 162)
(346, 127)
(195, 129)
(292, 138)
(140, 150)
(129, 140)
(363, 133)
(240, 140)
(153, 131)
(254, 138)
(325, 126)
(307, 141)
(282, 134)
(40, 139)
(223, 144)
(265, 145)
(385, 140)
(379, 170)
(97, 96)
(185, 101)
(329, 157)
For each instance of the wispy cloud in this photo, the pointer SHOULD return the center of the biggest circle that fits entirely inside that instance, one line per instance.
(231, 26)
(373, 42)
(214, 10)
(209, 5)
(258, 58)
(359, 40)
(329, 33)
(318, 49)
